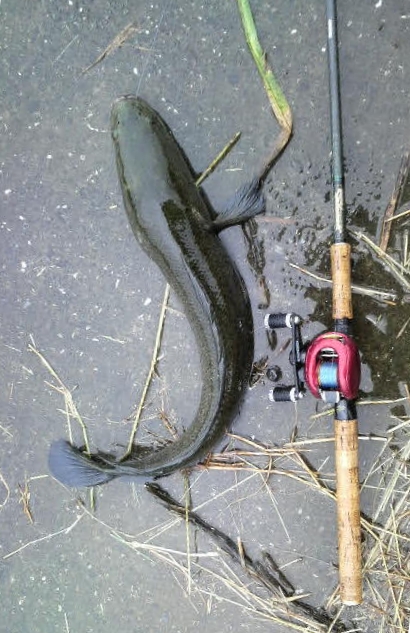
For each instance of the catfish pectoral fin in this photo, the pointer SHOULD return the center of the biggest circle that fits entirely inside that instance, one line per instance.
(247, 202)
(73, 468)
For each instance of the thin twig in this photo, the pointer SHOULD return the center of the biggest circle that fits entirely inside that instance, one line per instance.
(118, 41)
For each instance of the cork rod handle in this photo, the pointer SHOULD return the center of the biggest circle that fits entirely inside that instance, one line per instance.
(342, 293)
(348, 511)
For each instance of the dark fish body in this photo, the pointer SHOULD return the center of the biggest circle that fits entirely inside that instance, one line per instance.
(174, 225)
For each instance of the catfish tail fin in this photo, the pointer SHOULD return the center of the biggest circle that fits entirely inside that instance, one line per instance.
(75, 469)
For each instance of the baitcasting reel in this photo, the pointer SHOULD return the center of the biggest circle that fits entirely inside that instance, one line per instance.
(331, 363)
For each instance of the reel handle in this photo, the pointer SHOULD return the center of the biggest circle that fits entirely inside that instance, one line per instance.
(348, 511)
(281, 320)
(284, 394)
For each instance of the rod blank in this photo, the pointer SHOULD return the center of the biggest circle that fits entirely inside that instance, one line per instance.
(335, 123)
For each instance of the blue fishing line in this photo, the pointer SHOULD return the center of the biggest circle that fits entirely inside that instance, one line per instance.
(328, 375)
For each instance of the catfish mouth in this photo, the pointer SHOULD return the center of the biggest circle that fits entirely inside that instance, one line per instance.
(123, 107)
(125, 100)
(129, 97)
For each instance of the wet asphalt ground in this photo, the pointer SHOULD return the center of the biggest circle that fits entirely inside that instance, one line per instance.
(75, 284)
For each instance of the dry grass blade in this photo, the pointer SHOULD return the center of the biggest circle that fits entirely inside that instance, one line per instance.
(382, 295)
(154, 359)
(396, 269)
(402, 214)
(70, 411)
(47, 537)
(403, 328)
(187, 508)
(299, 470)
(361, 403)
(7, 489)
(213, 165)
(25, 501)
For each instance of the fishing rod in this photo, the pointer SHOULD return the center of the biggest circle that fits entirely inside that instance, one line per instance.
(331, 362)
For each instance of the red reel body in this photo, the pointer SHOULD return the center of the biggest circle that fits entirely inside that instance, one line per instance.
(333, 357)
